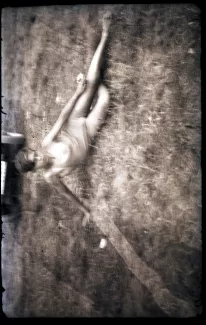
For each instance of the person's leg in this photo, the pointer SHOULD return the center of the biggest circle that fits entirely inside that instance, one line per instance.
(98, 114)
(84, 103)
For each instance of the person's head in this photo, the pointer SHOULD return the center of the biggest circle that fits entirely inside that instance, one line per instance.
(28, 160)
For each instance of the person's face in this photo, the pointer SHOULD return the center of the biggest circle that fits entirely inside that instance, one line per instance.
(39, 158)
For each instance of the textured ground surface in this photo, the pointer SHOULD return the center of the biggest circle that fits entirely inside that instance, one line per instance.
(142, 178)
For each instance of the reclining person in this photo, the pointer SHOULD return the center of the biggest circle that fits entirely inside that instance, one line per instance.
(66, 145)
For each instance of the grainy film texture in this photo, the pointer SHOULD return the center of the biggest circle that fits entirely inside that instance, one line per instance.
(142, 178)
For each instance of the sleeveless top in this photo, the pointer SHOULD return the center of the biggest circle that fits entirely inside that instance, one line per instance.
(75, 136)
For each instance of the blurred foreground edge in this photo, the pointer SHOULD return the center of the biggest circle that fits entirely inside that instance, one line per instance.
(11, 143)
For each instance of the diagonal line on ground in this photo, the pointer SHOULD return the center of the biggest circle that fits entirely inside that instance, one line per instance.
(171, 305)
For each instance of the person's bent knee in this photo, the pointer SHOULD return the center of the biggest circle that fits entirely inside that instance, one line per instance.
(102, 89)
(104, 94)
(105, 98)
(92, 83)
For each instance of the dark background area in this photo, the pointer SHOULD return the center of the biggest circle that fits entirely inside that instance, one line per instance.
(142, 179)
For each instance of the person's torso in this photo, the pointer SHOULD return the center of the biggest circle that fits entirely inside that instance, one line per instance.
(71, 146)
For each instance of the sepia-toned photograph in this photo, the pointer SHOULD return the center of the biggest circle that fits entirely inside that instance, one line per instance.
(101, 198)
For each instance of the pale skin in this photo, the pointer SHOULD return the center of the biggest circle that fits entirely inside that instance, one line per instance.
(53, 154)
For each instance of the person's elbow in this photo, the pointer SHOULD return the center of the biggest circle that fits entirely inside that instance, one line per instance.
(51, 179)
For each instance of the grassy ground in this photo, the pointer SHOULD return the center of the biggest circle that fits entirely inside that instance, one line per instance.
(142, 177)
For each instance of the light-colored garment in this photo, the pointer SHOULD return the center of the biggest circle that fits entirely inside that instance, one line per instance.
(75, 136)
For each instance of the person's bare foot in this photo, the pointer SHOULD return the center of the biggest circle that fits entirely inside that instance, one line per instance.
(106, 22)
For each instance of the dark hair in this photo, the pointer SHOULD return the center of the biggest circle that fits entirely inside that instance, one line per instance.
(22, 163)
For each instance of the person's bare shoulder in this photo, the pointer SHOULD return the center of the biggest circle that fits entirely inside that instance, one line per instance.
(46, 142)
(65, 172)
(51, 175)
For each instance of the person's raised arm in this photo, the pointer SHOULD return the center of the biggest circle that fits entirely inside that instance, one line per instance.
(65, 113)
(56, 182)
